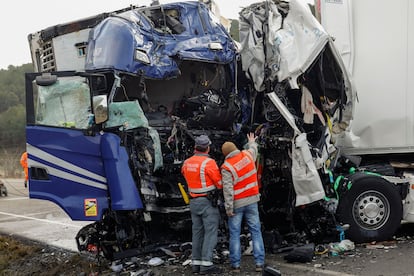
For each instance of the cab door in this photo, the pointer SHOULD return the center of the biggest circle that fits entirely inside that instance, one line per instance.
(69, 164)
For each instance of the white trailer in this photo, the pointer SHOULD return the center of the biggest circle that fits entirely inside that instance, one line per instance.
(376, 41)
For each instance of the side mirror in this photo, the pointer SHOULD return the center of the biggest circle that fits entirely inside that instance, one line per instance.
(100, 108)
(98, 83)
(46, 79)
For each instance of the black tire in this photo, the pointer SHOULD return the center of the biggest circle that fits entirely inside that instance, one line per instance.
(372, 208)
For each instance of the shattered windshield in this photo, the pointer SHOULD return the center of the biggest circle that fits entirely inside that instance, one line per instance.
(66, 103)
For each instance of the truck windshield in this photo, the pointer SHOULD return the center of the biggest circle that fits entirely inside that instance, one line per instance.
(66, 103)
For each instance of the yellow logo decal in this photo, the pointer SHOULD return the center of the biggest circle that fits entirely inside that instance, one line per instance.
(91, 207)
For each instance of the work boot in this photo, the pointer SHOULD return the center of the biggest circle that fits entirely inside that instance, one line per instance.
(195, 269)
(235, 269)
(25, 183)
(270, 271)
(259, 268)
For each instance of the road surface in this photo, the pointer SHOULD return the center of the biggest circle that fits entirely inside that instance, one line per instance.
(35, 219)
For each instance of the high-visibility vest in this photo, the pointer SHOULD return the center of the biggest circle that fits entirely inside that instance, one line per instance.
(23, 163)
(243, 170)
(200, 172)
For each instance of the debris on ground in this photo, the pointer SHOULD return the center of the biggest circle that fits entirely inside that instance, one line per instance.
(381, 245)
(19, 256)
(301, 254)
(22, 257)
(337, 248)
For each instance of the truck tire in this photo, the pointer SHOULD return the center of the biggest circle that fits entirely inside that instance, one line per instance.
(372, 208)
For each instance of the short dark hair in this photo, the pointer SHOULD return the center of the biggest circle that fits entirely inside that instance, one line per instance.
(201, 148)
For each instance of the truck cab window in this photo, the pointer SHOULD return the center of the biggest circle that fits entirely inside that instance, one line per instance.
(64, 104)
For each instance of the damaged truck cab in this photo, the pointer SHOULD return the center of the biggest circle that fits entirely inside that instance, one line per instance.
(117, 99)
(107, 137)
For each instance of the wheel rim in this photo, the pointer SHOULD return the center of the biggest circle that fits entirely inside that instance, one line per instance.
(371, 210)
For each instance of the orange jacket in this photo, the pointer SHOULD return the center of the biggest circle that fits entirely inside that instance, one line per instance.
(23, 163)
(201, 174)
(243, 171)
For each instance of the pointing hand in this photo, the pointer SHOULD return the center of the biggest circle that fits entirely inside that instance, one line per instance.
(251, 137)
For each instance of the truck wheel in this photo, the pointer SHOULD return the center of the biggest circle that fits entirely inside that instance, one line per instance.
(372, 208)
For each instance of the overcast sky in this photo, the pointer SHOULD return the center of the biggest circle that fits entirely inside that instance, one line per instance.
(21, 17)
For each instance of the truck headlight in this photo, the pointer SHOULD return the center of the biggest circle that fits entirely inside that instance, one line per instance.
(141, 56)
(215, 46)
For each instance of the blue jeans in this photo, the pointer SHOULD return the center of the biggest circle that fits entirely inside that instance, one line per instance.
(205, 219)
(251, 215)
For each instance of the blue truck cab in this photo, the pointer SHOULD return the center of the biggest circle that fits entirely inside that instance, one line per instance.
(106, 137)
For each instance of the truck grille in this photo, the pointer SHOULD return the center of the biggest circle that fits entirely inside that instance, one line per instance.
(48, 58)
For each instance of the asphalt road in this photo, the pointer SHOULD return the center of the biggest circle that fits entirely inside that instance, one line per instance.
(35, 219)
(45, 222)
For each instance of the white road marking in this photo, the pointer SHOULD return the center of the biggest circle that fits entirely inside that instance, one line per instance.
(41, 220)
(14, 198)
(36, 214)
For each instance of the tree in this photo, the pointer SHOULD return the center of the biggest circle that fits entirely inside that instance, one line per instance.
(8, 99)
(12, 117)
(12, 126)
(234, 29)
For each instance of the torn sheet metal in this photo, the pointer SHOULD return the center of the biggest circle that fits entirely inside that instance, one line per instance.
(285, 45)
(281, 42)
(129, 115)
(135, 41)
(306, 180)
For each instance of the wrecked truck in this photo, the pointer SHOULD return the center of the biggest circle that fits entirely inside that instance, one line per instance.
(116, 101)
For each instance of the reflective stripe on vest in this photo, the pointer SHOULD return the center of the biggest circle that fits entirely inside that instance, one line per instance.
(200, 185)
(244, 175)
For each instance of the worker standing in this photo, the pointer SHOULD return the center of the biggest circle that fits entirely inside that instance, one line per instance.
(203, 179)
(241, 194)
(23, 163)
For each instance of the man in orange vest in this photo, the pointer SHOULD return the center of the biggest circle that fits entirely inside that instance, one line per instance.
(203, 177)
(23, 163)
(241, 194)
